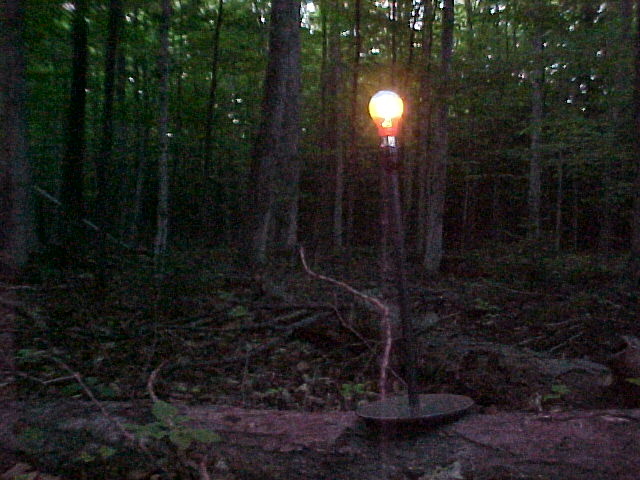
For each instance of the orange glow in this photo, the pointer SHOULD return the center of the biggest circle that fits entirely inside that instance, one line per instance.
(386, 108)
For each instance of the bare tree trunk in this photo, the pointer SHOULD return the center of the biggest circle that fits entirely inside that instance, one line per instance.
(290, 162)
(277, 140)
(438, 169)
(536, 130)
(495, 206)
(616, 47)
(424, 122)
(635, 236)
(465, 215)
(333, 80)
(104, 204)
(208, 136)
(575, 211)
(559, 197)
(468, 8)
(72, 166)
(17, 238)
(393, 30)
(142, 132)
(160, 244)
(352, 151)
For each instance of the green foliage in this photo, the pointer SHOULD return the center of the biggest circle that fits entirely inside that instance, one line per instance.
(31, 439)
(238, 312)
(172, 426)
(351, 391)
(557, 392)
(633, 381)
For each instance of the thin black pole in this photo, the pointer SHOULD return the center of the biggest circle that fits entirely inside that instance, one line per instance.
(390, 164)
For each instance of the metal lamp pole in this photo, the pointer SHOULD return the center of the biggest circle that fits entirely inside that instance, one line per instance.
(386, 114)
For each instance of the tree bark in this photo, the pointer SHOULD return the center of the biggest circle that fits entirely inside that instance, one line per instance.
(160, 244)
(635, 236)
(352, 150)
(104, 203)
(17, 237)
(424, 122)
(72, 166)
(437, 176)
(536, 130)
(559, 198)
(142, 140)
(617, 47)
(211, 104)
(332, 123)
(276, 144)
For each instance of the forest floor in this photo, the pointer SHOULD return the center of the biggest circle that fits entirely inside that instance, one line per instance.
(211, 331)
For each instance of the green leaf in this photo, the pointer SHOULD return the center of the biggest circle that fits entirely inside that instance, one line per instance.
(163, 411)
(105, 451)
(634, 381)
(85, 457)
(204, 436)
(239, 311)
(181, 438)
(560, 389)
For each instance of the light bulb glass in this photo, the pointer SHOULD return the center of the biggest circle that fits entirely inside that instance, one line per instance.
(386, 105)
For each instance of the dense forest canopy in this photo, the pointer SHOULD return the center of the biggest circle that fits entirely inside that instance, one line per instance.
(537, 96)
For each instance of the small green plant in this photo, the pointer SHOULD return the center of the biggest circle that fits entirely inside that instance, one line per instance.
(557, 391)
(103, 452)
(350, 390)
(173, 427)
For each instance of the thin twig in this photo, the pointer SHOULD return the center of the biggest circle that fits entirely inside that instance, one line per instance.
(378, 304)
(565, 343)
(130, 437)
(151, 380)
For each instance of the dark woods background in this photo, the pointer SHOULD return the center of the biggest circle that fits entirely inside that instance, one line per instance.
(149, 120)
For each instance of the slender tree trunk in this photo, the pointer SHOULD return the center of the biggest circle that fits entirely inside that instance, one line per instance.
(332, 125)
(465, 215)
(536, 130)
(160, 244)
(72, 166)
(122, 139)
(412, 33)
(17, 237)
(424, 123)
(277, 139)
(290, 162)
(104, 204)
(616, 47)
(495, 208)
(438, 168)
(352, 151)
(575, 212)
(211, 104)
(393, 30)
(635, 236)
(142, 141)
(559, 198)
(468, 8)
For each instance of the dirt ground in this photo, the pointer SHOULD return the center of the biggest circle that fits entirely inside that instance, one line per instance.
(281, 339)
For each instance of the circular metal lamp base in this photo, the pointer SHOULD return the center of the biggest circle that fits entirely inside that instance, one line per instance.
(432, 409)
